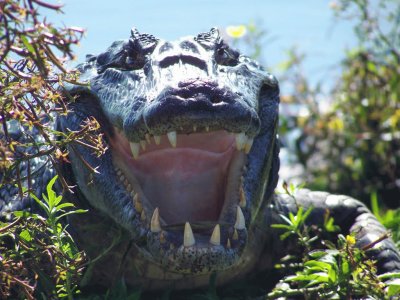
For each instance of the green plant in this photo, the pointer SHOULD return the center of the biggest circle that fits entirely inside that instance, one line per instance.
(390, 218)
(348, 142)
(38, 256)
(340, 271)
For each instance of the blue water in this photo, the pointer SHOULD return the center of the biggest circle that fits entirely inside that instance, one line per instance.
(307, 24)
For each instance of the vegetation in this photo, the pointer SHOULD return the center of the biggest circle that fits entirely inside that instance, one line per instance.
(39, 259)
(334, 271)
(32, 76)
(353, 146)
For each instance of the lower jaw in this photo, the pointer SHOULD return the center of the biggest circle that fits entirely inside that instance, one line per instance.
(167, 247)
(201, 258)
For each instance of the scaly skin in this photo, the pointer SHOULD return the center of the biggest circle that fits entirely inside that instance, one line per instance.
(186, 187)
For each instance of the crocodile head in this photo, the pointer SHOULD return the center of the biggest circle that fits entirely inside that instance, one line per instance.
(192, 155)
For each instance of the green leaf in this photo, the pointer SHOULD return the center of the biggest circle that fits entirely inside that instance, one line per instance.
(22, 214)
(345, 267)
(78, 211)
(51, 194)
(64, 205)
(27, 44)
(286, 235)
(43, 205)
(25, 235)
(375, 206)
(57, 200)
(286, 219)
(394, 288)
(281, 226)
(317, 264)
(314, 277)
(293, 218)
(332, 275)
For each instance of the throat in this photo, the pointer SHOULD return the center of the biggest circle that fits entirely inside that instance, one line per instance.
(188, 185)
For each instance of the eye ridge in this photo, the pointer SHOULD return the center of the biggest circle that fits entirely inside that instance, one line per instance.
(138, 48)
(134, 57)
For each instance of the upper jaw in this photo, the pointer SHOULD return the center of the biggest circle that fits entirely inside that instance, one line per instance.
(188, 107)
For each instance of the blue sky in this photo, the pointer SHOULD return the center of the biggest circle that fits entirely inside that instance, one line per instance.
(307, 24)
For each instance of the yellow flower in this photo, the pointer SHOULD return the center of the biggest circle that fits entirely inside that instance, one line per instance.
(350, 240)
(336, 124)
(395, 118)
(236, 32)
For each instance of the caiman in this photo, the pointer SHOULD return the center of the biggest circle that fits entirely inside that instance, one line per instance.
(186, 186)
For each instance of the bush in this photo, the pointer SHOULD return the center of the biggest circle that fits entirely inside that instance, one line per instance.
(38, 256)
(354, 146)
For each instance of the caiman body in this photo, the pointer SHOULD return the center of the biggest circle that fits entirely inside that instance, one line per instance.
(186, 187)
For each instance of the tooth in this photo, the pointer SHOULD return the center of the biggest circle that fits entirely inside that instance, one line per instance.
(207, 128)
(122, 177)
(240, 140)
(147, 136)
(188, 237)
(143, 145)
(216, 236)
(194, 128)
(129, 187)
(247, 146)
(240, 223)
(143, 216)
(138, 203)
(133, 194)
(228, 244)
(235, 236)
(162, 238)
(119, 172)
(157, 139)
(155, 222)
(172, 138)
(135, 149)
(126, 182)
(242, 196)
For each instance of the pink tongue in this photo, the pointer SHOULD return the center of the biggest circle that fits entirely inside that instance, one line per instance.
(186, 184)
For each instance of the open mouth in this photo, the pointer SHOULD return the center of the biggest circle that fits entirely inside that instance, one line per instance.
(187, 190)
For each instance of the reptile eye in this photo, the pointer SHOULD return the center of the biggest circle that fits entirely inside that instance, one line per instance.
(221, 52)
(226, 56)
(137, 49)
(135, 57)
